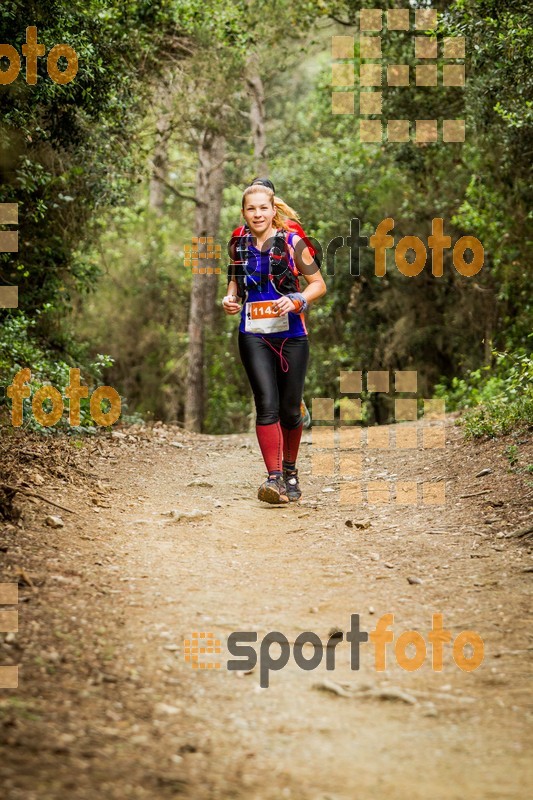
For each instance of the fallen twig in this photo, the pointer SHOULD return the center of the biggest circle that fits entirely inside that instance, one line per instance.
(522, 532)
(475, 494)
(34, 494)
(443, 696)
(336, 688)
(387, 693)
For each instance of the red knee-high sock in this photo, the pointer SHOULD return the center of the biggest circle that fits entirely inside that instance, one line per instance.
(291, 443)
(270, 440)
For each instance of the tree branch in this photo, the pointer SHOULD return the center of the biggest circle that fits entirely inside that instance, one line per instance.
(342, 22)
(19, 489)
(160, 177)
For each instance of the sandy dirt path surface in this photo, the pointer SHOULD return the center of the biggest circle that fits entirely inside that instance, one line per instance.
(169, 539)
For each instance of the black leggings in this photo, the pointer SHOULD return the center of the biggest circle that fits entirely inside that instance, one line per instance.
(277, 394)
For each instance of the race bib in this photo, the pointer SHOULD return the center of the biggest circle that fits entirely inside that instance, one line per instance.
(261, 318)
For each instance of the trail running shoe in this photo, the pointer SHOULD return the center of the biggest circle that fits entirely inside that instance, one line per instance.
(291, 482)
(273, 491)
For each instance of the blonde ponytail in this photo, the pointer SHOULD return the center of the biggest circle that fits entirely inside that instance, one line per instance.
(283, 212)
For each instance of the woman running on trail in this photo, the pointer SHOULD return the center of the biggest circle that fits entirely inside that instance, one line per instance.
(273, 344)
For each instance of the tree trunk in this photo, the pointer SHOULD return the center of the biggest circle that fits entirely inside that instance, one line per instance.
(162, 101)
(159, 164)
(257, 119)
(216, 188)
(209, 186)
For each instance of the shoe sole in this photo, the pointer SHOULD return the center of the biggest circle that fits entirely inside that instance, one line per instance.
(269, 495)
(293, 499)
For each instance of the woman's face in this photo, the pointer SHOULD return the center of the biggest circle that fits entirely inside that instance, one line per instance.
(258, 212)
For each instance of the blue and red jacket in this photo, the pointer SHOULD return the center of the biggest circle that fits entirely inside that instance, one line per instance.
(259, 285)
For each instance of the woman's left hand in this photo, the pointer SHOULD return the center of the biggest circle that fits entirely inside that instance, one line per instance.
(283, 306)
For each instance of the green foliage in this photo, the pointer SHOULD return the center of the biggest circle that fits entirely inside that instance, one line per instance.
(229, 400)
(511, 453)
(509, 378)
(499, 418)
(66, 150)
(19, 349)
(501, 398)
(138, 311)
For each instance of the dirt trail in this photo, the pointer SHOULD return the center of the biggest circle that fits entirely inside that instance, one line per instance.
(107, 705)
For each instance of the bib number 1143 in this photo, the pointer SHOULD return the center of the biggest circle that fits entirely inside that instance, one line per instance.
(262, 310)
(261, 318)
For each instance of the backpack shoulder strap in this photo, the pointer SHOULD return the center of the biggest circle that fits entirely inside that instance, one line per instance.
(279, 253)
(289, 241)
(238, 257)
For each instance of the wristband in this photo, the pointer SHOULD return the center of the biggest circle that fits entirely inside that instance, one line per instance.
(299, 299)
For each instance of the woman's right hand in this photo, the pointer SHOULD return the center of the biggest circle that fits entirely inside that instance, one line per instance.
(230, 304)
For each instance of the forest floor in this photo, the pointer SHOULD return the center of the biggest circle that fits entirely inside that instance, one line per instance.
(108, 707)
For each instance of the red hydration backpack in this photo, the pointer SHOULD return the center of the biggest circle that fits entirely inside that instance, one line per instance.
(283, 274)
(294, 227)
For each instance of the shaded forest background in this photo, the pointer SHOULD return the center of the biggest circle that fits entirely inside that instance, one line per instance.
(177, 105)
